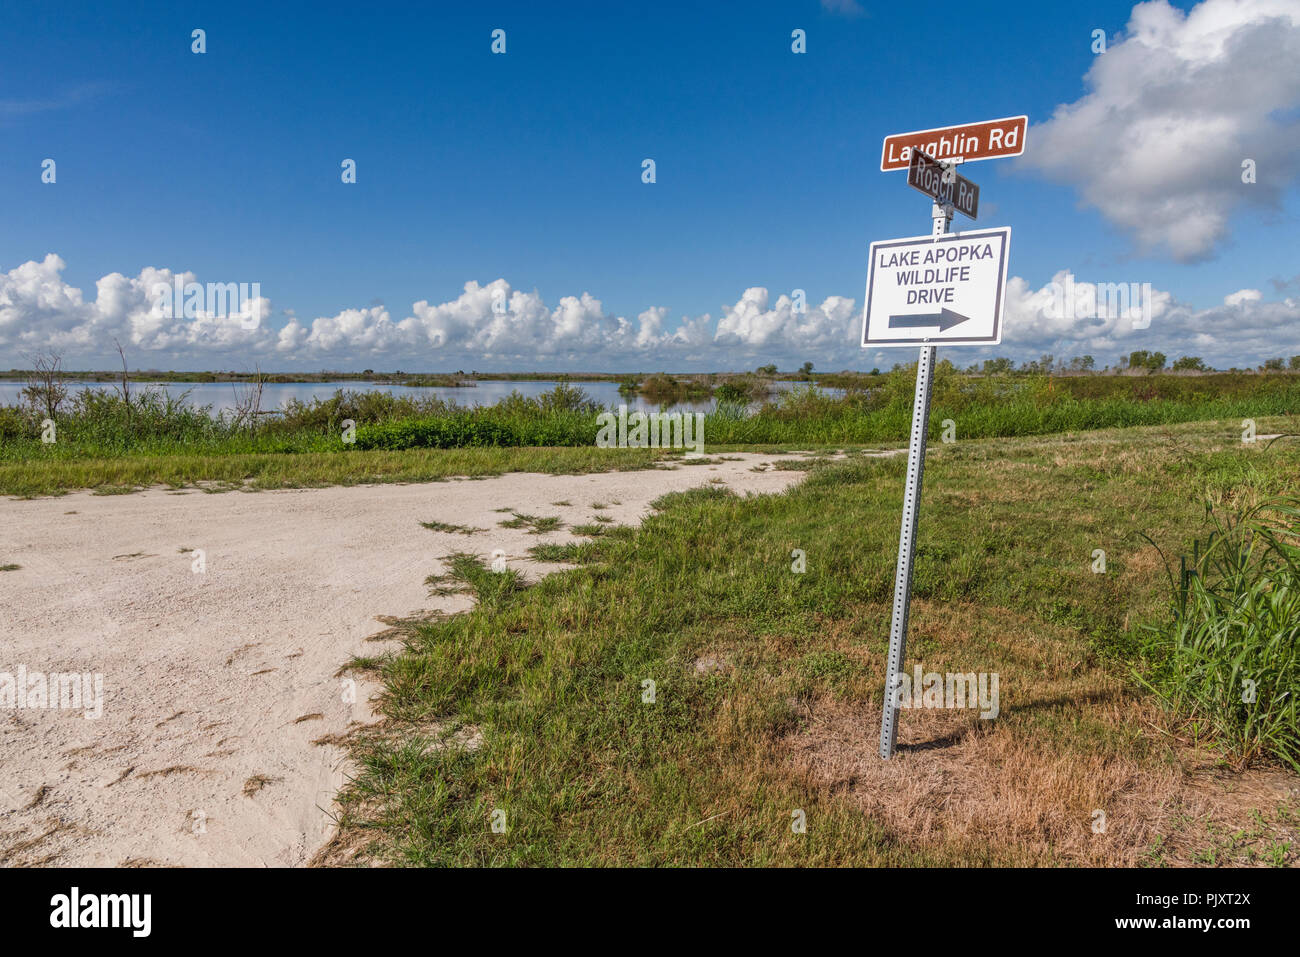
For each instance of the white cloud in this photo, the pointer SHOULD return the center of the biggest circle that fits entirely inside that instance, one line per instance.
(1242, 332)
(38, 310)
(491, 322)
(1068, 309)
(496, 326)
(1175, 107)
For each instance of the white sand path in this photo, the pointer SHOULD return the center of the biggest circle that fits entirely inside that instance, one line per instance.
(217, 678)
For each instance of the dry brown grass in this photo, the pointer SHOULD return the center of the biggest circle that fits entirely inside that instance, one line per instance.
(1142, 563)
(169, 771)
(351, 847)
(1071, 740)
(993, 793)
(973, 790)
(22, 848)
(39, 797)
(256, 783)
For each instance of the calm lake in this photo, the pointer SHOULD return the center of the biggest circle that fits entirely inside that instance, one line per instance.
(221, 395)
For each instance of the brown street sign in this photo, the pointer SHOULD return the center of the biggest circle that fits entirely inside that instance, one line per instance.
(972, 141)
(943, 185)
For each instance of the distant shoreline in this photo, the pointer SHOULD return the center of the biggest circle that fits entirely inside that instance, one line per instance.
(469, 379)
(443, 379)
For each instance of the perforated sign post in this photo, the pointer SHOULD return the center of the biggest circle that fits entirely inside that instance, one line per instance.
(925, 290)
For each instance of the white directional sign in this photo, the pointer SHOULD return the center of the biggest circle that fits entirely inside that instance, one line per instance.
(937, 290)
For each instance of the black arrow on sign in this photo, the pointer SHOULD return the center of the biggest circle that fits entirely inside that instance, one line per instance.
(945, 319)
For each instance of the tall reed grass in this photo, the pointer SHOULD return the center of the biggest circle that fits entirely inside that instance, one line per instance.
(1227, 661)
(98, 423)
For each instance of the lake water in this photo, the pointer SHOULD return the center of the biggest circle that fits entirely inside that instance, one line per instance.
(221, 395)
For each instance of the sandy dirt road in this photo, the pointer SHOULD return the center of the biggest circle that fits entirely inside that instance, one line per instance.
(216, 682)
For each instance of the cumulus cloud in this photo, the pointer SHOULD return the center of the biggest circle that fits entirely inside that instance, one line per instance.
(751, 323)
(1108, 321)
(38, 310)
(1176, 105)
(490, 323)
(1068, 310)
(1242, 295)
(497, 326)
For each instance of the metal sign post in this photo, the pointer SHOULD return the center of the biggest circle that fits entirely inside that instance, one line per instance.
(907, 531)
(925, 290)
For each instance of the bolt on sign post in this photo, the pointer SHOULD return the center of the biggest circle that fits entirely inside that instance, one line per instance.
(942, 289)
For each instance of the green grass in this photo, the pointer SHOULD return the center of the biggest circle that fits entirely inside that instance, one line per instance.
(304, 470)
(1229, 657)
(102, 442)
(468, 574)
(536, 524)
(436, 526)
(552, 676)
(573, 553)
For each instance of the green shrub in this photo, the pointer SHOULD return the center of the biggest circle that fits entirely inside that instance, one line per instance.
(1229, 658)
(452, 433)
(101, 423)
(731, 392)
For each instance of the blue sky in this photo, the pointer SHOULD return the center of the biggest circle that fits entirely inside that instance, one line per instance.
(526, 167)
